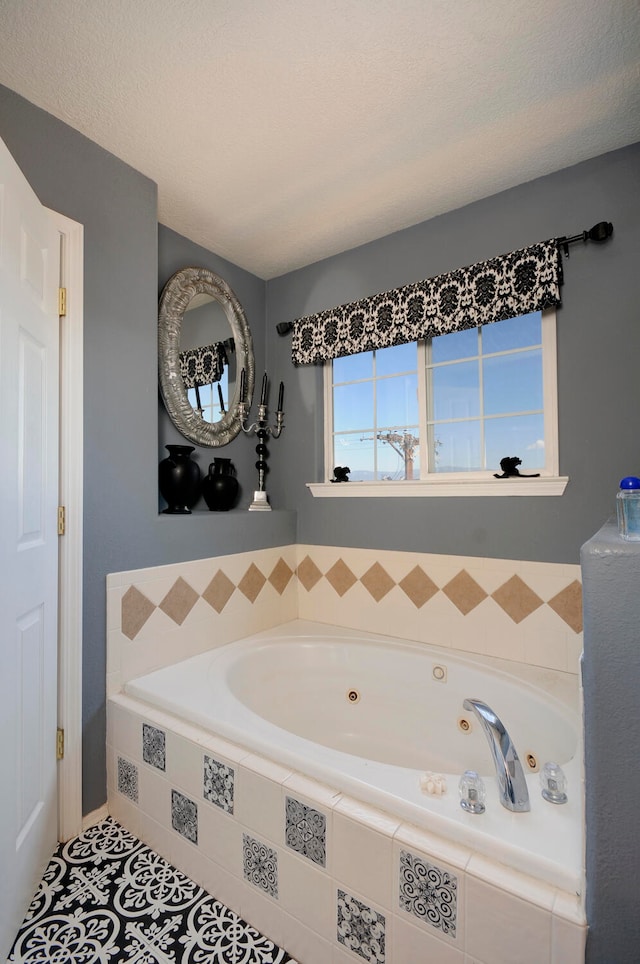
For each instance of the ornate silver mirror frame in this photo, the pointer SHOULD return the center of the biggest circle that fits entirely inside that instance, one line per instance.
(176, 295)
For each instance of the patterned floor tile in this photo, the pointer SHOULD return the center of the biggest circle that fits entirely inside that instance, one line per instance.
(106, 897)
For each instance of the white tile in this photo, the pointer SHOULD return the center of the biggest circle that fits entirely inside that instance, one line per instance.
(258, 799)
(225, 887)
(304, 945)
(362, 859)
(412, 945)
(420, 841)
(306, 892)
(568, 942)
(512, 882)
(502, 929)
(220, 838)
(264, 913)
(154, 795)
(184, 767)
(310, 791)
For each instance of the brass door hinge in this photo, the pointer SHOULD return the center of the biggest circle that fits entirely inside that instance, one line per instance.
(59, 743)
(61, 520)
(62, 302)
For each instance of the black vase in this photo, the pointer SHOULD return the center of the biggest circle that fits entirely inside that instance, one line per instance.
(179, 479)
(220, 487)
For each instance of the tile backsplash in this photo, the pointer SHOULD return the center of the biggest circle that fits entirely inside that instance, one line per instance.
(522, 611)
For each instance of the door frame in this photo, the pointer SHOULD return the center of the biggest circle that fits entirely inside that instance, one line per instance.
(70, 544)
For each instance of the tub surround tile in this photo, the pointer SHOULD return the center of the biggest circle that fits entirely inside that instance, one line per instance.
(464, 592)
(340, 577)
(128, 779)
(429, 893)
(306, 831)
(136, 610)
(218, 783)
(219, 591)
(501, 928)
(308, 574)
(363, 858)
(259, 797)
(306, 894)
(568, 605)
(418, 587)
(361, 928)
(154, 746)
(184, 816)
(517, 599)
(414, 945)
(280, 576)
(252, 583)
(260, 865)
(377, 581)
(393, 871)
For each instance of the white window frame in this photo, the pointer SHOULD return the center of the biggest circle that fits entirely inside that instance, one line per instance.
(549, 483)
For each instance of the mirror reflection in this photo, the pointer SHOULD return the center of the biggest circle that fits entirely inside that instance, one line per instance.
(207, 358)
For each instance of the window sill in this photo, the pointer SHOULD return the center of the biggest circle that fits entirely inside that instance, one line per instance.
(546, 485)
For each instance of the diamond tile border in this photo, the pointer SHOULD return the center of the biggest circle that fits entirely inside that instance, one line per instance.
(514, 596)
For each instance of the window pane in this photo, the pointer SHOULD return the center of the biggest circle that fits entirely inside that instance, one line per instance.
(513, 383)
(458, 344)
(456, 391)
(397, 401)
(513, 333)
(398, 455)
(522, 435)
(358, 455)
(457, 447)
(352, 406)
(353, 367)
(399, 358)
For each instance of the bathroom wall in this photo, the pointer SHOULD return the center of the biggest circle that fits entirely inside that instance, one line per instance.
(122, 528)
(598, 340)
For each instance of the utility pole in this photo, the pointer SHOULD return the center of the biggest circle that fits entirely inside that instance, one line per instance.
(403, 443)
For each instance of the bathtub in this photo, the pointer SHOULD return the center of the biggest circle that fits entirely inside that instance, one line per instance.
(368, 716)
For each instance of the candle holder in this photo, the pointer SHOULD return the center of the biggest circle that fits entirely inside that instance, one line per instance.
(262, 431)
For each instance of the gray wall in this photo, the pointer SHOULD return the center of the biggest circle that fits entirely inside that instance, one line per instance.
(611, 578)
(598, 350)
(122, 528)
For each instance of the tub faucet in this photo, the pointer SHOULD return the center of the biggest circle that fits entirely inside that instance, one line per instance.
(511, 779)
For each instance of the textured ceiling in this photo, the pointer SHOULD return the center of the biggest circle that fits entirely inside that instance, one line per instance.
(283, 131)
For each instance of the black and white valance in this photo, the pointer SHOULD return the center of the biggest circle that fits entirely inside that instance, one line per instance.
(204, 365)
(505, 287)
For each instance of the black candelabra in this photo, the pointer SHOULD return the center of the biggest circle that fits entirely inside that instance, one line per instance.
(262, 431)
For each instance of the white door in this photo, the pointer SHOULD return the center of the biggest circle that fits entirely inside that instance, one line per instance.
(29, 375)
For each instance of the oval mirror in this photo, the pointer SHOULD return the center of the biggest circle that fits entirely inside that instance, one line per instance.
(200, 356)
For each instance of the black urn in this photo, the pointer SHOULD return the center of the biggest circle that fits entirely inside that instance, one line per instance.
(179, 479)
(220, 487)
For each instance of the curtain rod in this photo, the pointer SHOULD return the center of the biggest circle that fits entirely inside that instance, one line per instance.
(599, 232)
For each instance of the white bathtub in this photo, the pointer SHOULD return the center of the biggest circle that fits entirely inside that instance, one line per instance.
(368, 716)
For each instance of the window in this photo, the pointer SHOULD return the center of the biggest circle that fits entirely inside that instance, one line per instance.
(447, 409)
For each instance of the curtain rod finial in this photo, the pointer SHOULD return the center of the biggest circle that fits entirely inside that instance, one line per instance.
(599, 232)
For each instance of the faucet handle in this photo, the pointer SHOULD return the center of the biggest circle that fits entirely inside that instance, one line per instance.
(472, 792)
(554, 783)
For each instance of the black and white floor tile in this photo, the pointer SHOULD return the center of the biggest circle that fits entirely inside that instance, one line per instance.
(107, 898)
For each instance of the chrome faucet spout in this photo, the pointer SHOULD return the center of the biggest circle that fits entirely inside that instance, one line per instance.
(512, 782)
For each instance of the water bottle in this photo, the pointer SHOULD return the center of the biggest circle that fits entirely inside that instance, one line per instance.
(628, 505)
